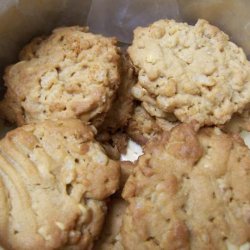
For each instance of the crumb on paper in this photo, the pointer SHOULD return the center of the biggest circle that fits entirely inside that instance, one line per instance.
(119, 18)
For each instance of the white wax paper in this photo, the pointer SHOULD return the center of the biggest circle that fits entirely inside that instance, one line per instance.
(21, 20)
(120, 17)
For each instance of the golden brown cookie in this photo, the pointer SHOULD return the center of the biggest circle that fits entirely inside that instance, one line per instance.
(193, 72)
(189, 191)
(54, 180)
(70, 74)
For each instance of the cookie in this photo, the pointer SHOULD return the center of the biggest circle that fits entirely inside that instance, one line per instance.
(190, 190)
(54, 182)
(110, 237)
(70, 74)
(143, 127)
(192, 72)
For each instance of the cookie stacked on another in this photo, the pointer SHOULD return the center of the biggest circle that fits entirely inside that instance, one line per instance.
(55, 178)
(190, 190)
(70, 74)
(189, 73)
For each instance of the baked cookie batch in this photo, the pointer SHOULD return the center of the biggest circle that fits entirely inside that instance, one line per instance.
(182, 92)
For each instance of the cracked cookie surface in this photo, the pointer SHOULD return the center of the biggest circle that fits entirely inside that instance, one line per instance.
(190, 190)
(54, 180)
(193, 72)
(70, 74)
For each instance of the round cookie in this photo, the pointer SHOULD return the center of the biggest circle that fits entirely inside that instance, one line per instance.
(54, 180)
(193, 72)
(70, 74)
(190, 190)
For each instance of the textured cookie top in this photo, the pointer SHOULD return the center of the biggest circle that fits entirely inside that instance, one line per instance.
(54, 179)
(70, 74)
(189, 191)
(194, 72)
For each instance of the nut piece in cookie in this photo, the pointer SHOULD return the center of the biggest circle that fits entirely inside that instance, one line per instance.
(54, 180)
(190, 190)
(193, 72)
(70, 74)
